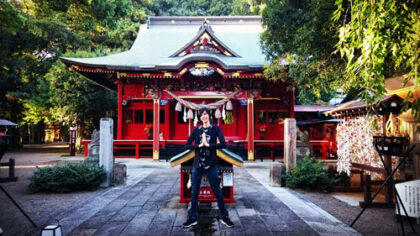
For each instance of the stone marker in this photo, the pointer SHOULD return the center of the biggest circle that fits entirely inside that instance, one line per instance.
(289, 143)
(106, 155)
(120, 173)
(303, 147)
(94, 148)
(275, 175)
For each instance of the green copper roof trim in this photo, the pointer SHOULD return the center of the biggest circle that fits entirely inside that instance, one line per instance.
(205, 28)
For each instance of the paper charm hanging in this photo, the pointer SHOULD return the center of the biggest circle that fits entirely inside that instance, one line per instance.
(190, 114)
(229, 106)
(195, 118)
(178, 107)
(217, 114)
(185, 115)
(224, 112)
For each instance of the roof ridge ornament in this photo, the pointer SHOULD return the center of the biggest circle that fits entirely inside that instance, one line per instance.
(205, 42)
(205, 26)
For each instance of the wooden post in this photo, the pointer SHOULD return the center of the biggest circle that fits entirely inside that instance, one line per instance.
(324, 150)
(367, 189)
(137, 150)
(292, 101)
(120, 112)
(289, 143)
(250, 128)
(156, 122)
(389, 193)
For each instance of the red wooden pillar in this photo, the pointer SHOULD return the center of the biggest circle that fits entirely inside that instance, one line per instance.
(250, 128)
(324, 150)
(137, 150)
(156, 122)
(120, 112)
(292, 101)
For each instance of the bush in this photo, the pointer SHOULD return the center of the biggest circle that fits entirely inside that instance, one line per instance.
(339, 179)
(308, 173)
(68, 178)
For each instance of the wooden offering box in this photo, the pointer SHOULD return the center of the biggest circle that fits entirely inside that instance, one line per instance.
(225, 162)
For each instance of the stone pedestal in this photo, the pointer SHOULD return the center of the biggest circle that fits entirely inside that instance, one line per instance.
(106, 156)
(275, 175)
(289, 143)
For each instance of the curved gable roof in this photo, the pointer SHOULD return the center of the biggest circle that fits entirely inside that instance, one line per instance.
(158, 40)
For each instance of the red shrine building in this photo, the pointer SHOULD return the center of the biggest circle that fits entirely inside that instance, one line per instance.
(179, 64)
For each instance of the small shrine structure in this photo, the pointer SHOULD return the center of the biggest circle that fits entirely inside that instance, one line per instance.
(226, 161)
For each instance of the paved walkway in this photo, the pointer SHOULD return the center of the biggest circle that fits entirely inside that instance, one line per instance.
(148, 205)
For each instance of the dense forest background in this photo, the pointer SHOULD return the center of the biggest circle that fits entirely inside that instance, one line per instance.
(330, 44)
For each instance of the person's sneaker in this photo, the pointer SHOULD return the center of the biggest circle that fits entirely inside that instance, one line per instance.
(226, 221)
(189, 223)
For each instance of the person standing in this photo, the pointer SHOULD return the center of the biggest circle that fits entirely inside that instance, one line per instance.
(206, 139)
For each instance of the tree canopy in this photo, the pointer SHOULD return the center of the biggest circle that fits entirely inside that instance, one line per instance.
(378, 39)
(324, 45)
(36, 88)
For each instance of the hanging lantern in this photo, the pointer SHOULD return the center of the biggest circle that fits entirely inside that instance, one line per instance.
(195, 118)
(190, 114)
(224, 112)
(217, 114)
(178, 107)
(229, 106)
(185, 115)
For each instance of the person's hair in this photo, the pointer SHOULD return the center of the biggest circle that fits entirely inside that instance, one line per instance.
(202, 110)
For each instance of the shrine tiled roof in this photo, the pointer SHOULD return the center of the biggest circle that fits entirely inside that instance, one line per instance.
(388, 103)
(162, 37)
(313, 108)
(223, 154)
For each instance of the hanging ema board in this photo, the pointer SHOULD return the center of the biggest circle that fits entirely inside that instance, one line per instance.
(410, 196)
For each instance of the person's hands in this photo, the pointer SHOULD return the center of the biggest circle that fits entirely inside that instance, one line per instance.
(203, 141)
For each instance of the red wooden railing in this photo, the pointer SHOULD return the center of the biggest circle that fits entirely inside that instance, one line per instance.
(315, 134)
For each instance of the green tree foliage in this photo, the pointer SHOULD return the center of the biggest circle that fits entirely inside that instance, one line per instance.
(378, 39)
(247, 7)
(205, 7)
(76, 100)
(299, 42)
(35, 87)
(352, 45)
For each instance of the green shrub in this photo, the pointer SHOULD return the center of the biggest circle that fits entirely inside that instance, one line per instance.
(339, 179)
(308, 174)
(68, 178)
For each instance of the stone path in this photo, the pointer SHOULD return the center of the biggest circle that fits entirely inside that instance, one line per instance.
(151, 207)
(318, 219)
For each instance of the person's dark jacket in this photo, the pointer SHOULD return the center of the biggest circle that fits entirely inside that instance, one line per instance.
(196, 136)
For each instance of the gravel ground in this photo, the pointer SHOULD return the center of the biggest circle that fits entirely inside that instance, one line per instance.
(374, 221)
(41, 206)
